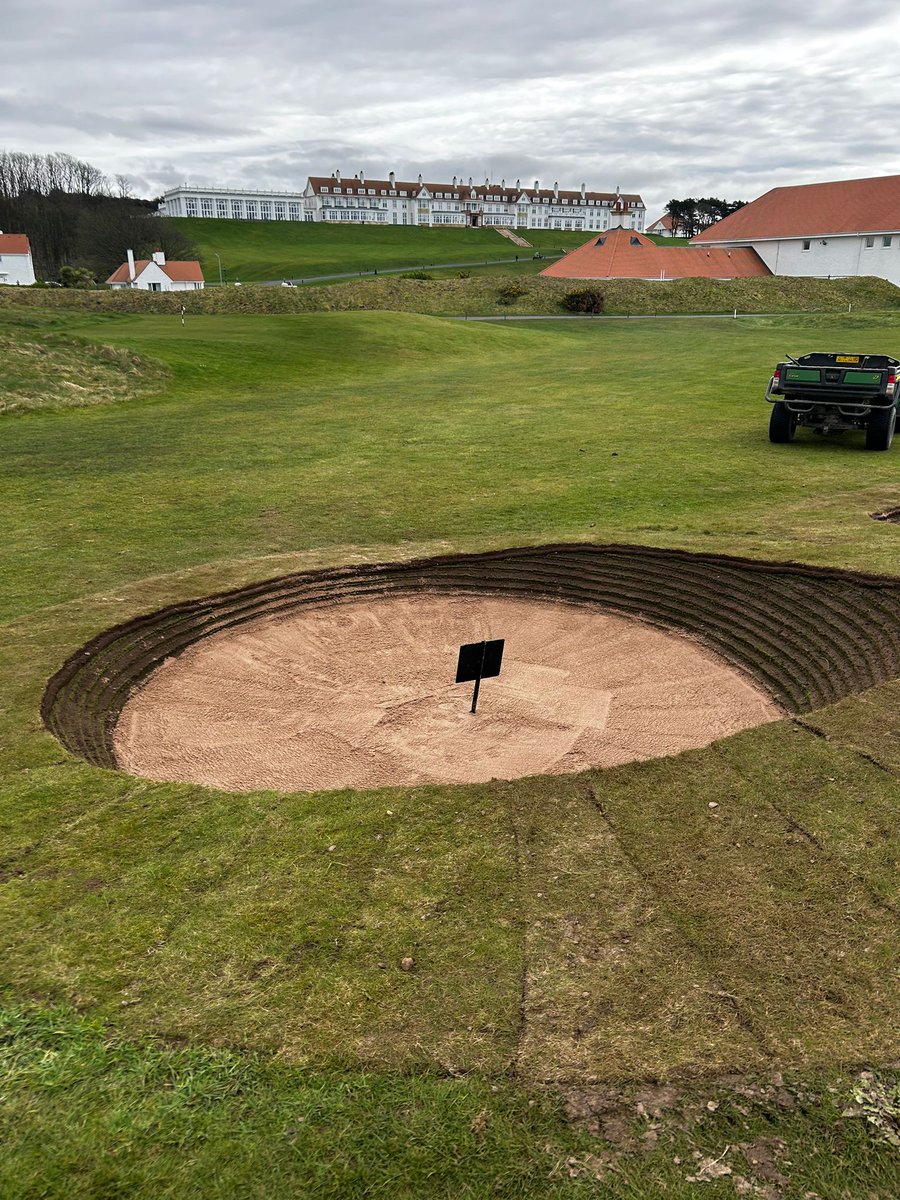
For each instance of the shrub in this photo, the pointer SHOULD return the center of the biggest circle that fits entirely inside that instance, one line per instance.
(511, 292)
(463, 274)
(76, 277)
(583, 300)
(417, 275)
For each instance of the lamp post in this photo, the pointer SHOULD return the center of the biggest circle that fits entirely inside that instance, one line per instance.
(221, 276)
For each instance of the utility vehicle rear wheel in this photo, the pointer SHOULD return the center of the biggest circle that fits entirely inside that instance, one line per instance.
(782, 423)
(880, 429)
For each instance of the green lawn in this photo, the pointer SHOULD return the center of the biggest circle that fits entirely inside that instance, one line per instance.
(252, 250)
(202, 999)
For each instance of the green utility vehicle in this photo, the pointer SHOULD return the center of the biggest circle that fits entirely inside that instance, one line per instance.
(835, 393)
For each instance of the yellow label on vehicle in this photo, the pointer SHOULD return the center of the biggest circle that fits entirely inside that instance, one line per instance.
(852, 358)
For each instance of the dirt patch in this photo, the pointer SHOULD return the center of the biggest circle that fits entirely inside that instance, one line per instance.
(362, 695)
(889, 514)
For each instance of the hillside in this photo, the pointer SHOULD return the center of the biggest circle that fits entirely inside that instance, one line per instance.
(265, 250)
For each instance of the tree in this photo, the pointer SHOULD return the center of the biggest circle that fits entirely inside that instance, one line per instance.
(691, 216)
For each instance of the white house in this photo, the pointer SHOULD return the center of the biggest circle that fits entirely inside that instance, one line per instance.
(16, 266)
(849, 227)
(663, 227)
(156, 275)
(393, 201)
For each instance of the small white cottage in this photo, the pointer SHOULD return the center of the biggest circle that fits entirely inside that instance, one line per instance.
(156, 275)
(16, 266)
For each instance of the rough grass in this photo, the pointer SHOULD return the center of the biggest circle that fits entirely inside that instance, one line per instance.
(56, 372)
(583, 932)
(480, 295)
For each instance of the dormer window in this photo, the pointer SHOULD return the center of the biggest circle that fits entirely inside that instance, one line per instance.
(337, 189)
(324, 189)
(371, 191)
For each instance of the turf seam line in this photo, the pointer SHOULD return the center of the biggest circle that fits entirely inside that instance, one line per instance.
(744, 1020)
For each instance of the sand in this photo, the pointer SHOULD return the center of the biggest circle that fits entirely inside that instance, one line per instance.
(361, 695)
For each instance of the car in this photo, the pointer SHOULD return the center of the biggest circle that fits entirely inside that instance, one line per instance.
(834, 394)
(287, 283)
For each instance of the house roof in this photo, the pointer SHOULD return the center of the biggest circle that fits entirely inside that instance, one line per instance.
(626, 254)
(14, 243)
(814, 210)
(663, 222)
(178, 270)
(510, 193)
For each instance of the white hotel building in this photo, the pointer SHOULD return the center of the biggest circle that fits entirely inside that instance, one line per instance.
(394, 201)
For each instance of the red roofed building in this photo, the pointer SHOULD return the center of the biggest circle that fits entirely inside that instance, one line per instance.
(16, 266)
(626, 254)
(156, 275)
(664, 227)
(849, 227)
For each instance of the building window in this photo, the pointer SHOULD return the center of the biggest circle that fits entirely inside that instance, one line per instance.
(324, 189)
(294, 212)
(221, 208)
(886, 241)
(237, 209)
(280, 211)
(265, 210)
(191, 206)
(870, 242)
(206, 207)
(252, 210)
(806, 245)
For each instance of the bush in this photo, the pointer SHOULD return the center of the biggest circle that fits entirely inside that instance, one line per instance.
(511, 292)
(417, 275)
(583, 300)
(76, 277)
(463, 274)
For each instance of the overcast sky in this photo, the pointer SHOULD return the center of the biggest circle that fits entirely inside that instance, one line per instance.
(696, 98)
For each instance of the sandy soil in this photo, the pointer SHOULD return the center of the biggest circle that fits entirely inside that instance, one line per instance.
(362, 695)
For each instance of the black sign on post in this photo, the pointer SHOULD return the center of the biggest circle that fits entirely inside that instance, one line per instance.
(479, 660)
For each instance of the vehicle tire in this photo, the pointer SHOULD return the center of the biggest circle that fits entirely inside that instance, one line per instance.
(880, 429)
(782, 423)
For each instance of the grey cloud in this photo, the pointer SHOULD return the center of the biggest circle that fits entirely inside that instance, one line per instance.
(702, 98)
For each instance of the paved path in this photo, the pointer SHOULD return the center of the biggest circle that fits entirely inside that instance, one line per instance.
(730, 316)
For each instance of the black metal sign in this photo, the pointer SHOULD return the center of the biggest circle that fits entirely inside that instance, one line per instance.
(479, 660)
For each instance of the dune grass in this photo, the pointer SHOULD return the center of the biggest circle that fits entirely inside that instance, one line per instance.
(244, 1019)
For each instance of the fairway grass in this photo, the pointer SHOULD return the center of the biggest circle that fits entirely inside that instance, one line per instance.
(204, 992)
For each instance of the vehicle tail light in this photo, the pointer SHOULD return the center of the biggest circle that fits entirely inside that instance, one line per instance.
(776, 377)
(891, 384)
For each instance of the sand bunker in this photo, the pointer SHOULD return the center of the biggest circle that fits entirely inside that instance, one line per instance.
(361, 695)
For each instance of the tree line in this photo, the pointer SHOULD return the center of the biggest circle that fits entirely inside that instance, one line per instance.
(690, 216)
(76, 216)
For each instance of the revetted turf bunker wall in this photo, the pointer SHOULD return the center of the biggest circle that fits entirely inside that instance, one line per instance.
(808, 635)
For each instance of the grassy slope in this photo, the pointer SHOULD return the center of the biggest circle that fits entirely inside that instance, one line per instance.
(252, 250)
(178, 911)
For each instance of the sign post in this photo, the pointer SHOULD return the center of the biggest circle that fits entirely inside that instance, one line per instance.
(479, 660)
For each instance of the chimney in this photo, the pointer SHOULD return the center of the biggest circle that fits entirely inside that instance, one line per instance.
(537, 185)
(420, 181)
(454, 181)
(362, 178)
(470, 181)
(556, 188)
(582, 191)
(518, 185)
(159, 258)
(487, 182)
(337, 176)
(392, 177)
(502, 185)
(130, 254)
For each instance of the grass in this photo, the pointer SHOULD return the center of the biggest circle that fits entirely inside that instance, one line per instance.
(573, 937)
(265, 250)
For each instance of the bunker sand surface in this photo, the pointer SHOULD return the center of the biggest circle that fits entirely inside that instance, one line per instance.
(360, 694)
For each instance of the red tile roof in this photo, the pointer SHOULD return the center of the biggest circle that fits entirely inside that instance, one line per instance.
(14, 243)
(510, 193)
(626, 254)
(663, 222)
(814, 210)
(178, 270)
